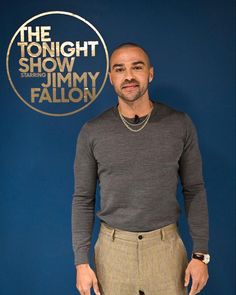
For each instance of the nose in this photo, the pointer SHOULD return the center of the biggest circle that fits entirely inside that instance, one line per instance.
(129, 74)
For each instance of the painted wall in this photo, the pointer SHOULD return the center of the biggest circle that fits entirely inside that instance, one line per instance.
(192, 46)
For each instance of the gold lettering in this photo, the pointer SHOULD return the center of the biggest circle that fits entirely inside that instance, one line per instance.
(45, 66)
(38, 46)
(65, 63)
(63, 99)
(23, 63)
(57, 48)
(49, 50)
(35, 34)
(75, 99)
(54, 95)
(22, 48)
(93, 78)
(49, 82)
(93, 49)
(79, 79)
(79, 48)
(88, 93)
(54, 80)
(58, 95)
(37, 65)
(34, 94)
(45, 96)
(71, 50)
(66, 78)
(45, 34)
(22, 34)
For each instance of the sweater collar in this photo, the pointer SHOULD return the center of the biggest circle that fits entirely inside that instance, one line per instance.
(115, 110)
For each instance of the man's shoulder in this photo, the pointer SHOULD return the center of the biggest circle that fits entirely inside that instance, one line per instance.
(166, 111)
(177, 119)
(100, 120)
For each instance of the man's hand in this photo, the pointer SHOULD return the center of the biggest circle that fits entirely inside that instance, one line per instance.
(85, 279)
(199, 273)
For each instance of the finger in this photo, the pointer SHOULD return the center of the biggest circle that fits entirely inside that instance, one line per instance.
(200, 286)
(84, 290)
(198, 290)
(187, 278)
(87, 292)
(80, 290)
(194, 287)
(95, 288)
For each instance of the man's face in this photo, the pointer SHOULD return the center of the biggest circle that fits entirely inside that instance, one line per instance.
(130, 73)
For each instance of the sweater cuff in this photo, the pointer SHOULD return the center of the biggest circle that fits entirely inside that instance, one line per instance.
(81, 257)
(200, 246)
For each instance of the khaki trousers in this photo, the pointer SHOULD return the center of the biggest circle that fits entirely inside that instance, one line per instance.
(138, 263)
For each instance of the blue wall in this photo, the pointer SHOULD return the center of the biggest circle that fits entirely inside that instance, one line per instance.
(192, 45)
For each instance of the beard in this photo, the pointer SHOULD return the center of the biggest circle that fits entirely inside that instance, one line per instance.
(133, 95)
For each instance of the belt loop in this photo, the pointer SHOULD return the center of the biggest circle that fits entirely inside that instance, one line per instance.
(162, 234)
(113, 234)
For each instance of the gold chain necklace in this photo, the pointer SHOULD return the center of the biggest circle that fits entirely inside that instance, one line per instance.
(145, 121)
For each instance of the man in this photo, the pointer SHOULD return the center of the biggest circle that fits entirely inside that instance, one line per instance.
(136, 150)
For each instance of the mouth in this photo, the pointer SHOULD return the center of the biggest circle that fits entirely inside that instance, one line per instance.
(130, 86)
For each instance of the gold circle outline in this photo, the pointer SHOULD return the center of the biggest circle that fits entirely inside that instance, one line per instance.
(41, 15)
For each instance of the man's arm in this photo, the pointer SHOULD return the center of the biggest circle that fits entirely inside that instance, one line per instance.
(195, 198)
(83, 204)
(190, 171)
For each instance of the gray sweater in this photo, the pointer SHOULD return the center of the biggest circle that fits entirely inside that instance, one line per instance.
(138, 174)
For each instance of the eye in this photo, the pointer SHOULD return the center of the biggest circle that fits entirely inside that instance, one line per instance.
(117, 70)
(137, 68)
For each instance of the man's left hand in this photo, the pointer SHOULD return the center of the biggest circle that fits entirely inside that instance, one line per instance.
(199, 274)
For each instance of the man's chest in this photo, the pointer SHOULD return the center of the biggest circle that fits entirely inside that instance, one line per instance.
(117, 149)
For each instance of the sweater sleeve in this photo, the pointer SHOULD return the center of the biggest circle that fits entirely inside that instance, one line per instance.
(83, 202)
(195, 198)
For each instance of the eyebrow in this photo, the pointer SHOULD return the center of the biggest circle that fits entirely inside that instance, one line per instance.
(138, 62)
(134, 64)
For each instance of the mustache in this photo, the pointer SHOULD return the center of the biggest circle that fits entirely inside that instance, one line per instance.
(128, 82)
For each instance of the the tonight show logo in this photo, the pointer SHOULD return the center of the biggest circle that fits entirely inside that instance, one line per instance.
(57, 63)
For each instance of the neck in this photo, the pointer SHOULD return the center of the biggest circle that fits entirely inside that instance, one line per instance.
(139, 108)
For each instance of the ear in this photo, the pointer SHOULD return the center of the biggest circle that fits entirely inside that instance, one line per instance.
(109, 73)
(151, 74)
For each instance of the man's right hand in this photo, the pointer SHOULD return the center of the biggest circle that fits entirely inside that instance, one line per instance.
(85, 279)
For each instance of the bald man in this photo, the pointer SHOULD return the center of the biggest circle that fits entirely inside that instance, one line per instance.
(137, 150)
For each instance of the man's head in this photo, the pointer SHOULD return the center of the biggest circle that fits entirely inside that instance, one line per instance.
(130, 71)
(129, 45)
